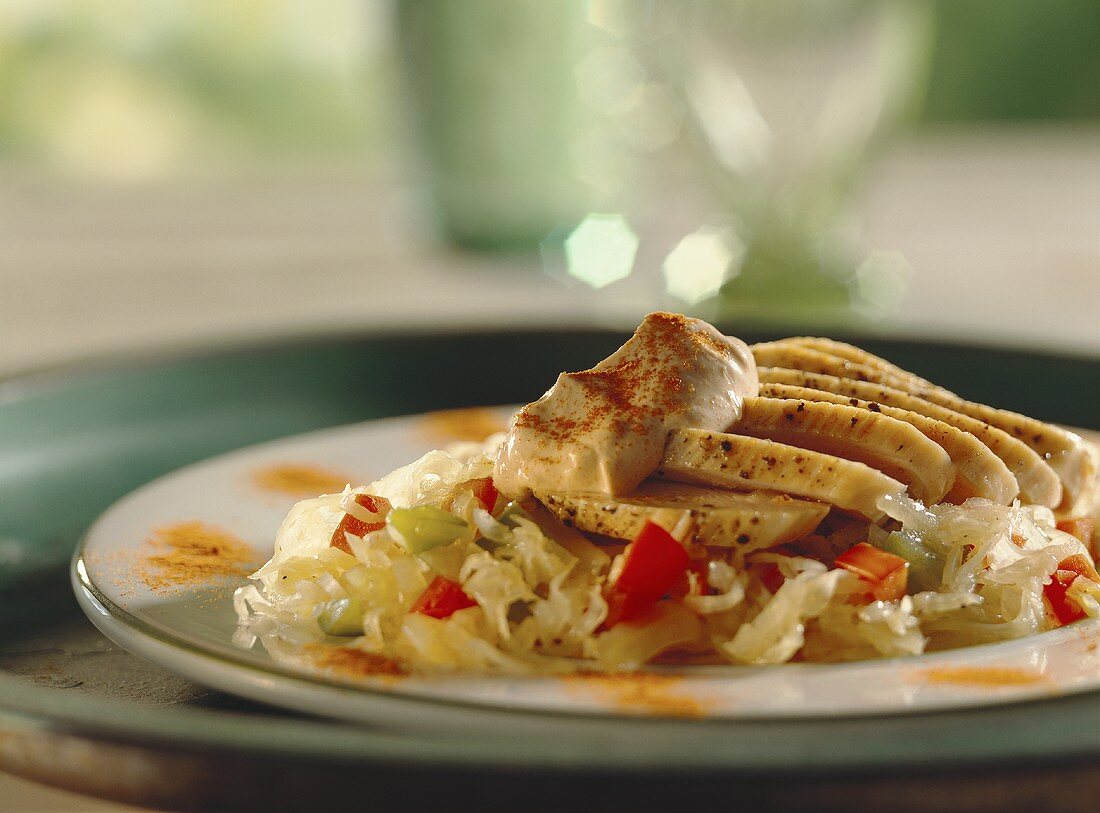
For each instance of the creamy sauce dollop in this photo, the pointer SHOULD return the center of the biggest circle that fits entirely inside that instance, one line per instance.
(604, 429)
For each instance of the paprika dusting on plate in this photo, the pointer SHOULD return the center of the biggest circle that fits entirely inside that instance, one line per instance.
(983, 676)
(472, 424)
(299, 479)
(354, 662)
(192, 553)
(642, 693)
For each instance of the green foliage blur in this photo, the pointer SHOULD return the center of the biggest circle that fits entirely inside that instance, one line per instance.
(141, 89)
(1013, 60)
(136, 89)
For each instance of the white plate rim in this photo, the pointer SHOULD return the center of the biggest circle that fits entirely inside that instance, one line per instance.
(392, 708)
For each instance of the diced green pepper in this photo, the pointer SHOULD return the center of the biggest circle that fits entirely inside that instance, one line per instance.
(341, 616)
(425, 527)
(511, 512)
(488, 543)
(499, 533)
(925, 567)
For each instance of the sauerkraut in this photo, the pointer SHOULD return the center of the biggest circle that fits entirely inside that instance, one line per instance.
(743, 504)
(537, 591)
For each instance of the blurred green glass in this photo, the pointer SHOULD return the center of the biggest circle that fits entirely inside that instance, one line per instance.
(787, 102)
(491, 86)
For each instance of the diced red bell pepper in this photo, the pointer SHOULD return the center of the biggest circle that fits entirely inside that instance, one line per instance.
(1067, 572)
(770, 575)
(624, 607)
(653, 564)
(1080, 564)
(887, 575)
(685, 586)
(1055, 593)
(357, 527)
(485, 492)
(442, 599)
(1081, 527)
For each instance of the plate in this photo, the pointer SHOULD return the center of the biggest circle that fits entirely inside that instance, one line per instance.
(77, 711)
(176, 615)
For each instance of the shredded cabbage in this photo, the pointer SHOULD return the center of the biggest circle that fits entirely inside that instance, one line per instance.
(540, 589)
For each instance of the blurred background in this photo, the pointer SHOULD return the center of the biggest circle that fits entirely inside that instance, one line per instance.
(179, 174)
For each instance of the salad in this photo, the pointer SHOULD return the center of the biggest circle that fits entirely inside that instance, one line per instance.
(695, 499)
